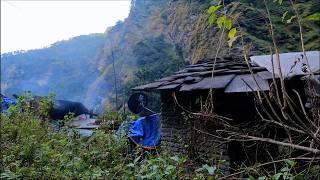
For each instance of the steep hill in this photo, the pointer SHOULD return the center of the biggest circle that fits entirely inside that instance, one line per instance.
(66, 68)
(182, 26)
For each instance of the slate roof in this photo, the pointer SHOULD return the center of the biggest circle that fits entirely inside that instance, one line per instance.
(232, 76)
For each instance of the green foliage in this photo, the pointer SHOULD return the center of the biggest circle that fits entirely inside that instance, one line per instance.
(291, 19)
(211, 11)
(284, 15)
(111, 120)
(206, 171)
(157, 167)
(45, 104)
(285, 25)
(31, 149)
(314, 17)
(211, 18)
(278, 1)
(223, 22)
(231, 36)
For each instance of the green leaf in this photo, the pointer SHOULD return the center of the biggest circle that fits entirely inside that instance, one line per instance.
(231, 36)
(232, 33)
(175, 158)
(284, 15)
(136, 160)
(292, 163)
(230, 41)
(170, 169)
(278, 1)
(212, 9)
(261, 178)
(291, 18)
(277, 176)
(210, 169)
(314, 17)
(211, 19)
(130, 165)
(228, 24)
(220, 21)
(285, 169)
(199, 169)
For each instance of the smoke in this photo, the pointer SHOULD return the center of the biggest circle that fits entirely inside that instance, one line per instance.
(67, 69)
(97, 94)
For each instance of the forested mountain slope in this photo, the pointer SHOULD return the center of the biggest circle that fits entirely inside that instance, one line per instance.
(156, 39)
(160, 36)
(66, 68)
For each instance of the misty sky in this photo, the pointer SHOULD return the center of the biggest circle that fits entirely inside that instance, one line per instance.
(35, 24)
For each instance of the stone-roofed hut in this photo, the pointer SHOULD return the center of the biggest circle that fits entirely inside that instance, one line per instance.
(186, 89)
(232, 83)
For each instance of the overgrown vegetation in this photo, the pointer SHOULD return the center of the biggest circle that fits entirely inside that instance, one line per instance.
(30, 148)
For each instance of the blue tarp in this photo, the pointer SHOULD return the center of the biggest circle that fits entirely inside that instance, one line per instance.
(145, 131)
(7, 102)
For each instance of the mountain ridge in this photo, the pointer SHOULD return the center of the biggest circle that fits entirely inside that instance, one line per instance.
(65, 68)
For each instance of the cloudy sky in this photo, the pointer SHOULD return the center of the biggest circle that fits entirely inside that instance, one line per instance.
(35, 24)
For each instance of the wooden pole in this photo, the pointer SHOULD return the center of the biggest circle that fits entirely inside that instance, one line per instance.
(115, 78)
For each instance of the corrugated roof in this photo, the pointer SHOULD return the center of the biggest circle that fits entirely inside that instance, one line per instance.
(292, 64)
(232, 76)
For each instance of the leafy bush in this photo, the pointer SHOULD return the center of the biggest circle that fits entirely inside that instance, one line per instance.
(31, 149)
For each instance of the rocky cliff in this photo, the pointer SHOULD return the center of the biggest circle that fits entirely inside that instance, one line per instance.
(182, 25)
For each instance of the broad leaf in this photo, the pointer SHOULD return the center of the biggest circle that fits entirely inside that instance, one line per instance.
(232, 33)
(211, 19)
(228, 24)
(277, 176)
(210, 169)
(220, 21)
(212, 9)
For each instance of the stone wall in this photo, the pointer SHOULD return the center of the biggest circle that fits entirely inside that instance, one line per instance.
(190, 136)
(175, 129)
(312, 91)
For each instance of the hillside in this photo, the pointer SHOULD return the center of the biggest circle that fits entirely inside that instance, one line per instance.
(66, 68)
(183, 26)
(158, 38)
